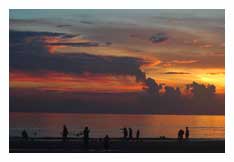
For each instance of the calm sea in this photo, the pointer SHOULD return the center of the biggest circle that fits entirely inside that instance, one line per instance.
(50, 124)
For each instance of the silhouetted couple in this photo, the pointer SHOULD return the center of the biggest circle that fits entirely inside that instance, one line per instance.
(86, 132)
(127, 133)
(181, 134)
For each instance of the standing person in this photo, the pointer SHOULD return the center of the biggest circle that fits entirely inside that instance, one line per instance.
(24, 135)
(187, 133)
(180, 134)
(138, 134)
(106, 142)
(65, 133)
(86, 136)
(130, 133)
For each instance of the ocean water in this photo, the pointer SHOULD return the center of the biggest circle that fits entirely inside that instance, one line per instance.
(51, 124)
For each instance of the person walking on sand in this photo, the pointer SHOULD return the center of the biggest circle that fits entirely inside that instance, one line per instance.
(65, 133)
(138, 134)
(187, 133)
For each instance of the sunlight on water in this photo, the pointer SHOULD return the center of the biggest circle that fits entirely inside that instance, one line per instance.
(50, 124)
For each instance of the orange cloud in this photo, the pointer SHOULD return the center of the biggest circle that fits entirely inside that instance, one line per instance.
(184, 61)
(48, 40)
(170, 63)
(66, 82)
(52, 49)
(207, 46)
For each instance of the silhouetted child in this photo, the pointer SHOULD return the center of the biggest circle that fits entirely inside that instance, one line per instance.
(187, 133)
(65, 133)
(86, 136)
(130, 133)
(24, 135)
(138, 134)
(106, 142)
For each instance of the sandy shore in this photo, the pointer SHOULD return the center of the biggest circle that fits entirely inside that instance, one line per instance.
(145, 145)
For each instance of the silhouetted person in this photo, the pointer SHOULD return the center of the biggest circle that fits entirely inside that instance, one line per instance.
(65, 133)
(125, 133)
(24, 135)
(86, 136)
(180, 134)
(138, 134)
(106, 142)
(187, 133)
(130, 133)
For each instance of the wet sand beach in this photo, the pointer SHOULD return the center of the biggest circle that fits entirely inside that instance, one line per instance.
(117, 145)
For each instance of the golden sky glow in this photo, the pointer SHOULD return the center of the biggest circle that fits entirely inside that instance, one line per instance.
(193, 50)
(84, 83)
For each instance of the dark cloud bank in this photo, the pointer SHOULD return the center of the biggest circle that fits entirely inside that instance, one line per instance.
(114, 103)
(32, 56)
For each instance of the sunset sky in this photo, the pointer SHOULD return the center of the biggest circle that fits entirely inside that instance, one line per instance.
(79, 53)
